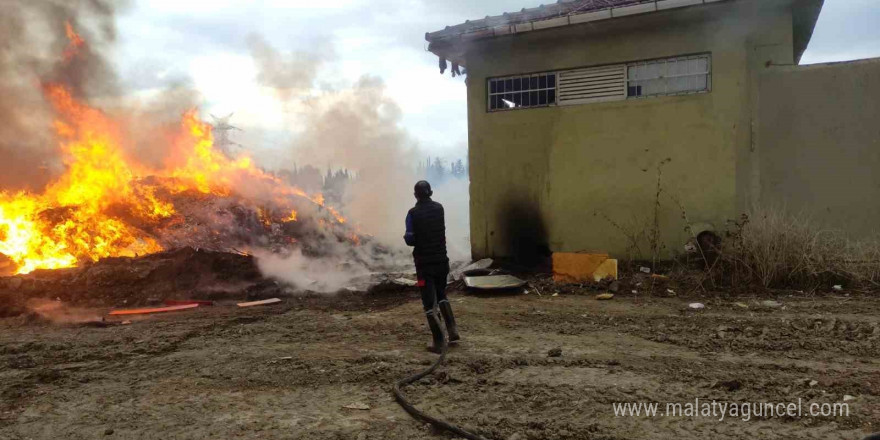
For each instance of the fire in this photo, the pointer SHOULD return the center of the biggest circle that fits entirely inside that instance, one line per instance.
(70, 220)
(102, 206)
(75, 42)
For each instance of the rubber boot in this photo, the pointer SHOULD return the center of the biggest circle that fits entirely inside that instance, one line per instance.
(451, 328)
(436, 334)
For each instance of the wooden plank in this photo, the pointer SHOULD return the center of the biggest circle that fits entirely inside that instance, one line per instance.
(259, 303)
(153, 310)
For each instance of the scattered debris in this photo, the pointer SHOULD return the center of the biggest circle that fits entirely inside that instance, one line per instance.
(670, 291)
(260, 303)
(126, 322)
(847, 398)
(814, 383)
(357, 405)
(614, 286)
(578, 267)
(604, 296)
(555, 294)
(153, 310)
(494, 282)
(285, 358)
(635, 291)
(485, 263)
(837, 287)
(660, 277)
(741, 305)
(644, 269)
(555, 352)
(771, 304)
(697, 306)
(108, 431)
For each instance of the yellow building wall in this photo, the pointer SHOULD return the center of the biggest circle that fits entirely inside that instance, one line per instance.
(584, 177)
(820, 143)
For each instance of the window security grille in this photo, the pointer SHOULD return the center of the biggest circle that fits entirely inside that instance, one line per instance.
(538, 90)
(670, 76)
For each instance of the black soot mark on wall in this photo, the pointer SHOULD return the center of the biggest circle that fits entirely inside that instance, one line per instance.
(525, 232)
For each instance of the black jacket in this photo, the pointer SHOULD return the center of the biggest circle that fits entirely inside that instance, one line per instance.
(426, 231)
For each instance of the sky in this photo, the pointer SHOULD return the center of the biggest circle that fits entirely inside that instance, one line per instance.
(204, 44)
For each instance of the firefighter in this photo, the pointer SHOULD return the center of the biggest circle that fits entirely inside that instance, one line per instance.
(426, 232)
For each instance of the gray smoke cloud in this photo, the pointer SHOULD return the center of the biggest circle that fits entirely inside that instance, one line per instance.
(359, 129)
(287, 74)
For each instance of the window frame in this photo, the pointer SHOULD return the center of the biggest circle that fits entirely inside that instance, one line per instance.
(626, 81)
(708, 73)
(537, 75)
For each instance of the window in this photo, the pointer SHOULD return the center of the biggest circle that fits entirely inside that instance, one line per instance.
(537, 90)
(670, 76)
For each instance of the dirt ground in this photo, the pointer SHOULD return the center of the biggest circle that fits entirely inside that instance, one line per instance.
(289, 370)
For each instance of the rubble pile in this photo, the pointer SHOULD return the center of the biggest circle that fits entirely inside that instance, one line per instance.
(124, 281)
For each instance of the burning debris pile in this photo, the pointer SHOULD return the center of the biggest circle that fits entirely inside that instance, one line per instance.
(102, 206)
(108, 204)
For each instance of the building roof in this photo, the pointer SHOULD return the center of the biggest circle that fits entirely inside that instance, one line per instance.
(559, 9)
(568, 12)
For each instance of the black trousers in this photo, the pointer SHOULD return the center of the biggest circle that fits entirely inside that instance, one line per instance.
(432, 282)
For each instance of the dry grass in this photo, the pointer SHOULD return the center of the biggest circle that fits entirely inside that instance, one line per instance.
(776, 249)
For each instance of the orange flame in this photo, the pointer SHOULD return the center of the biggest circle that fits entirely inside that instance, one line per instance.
(99, 207)
(75, 42)
(91, 211)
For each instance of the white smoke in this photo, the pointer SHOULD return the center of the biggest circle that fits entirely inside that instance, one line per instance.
(324, 274)
(358, 129)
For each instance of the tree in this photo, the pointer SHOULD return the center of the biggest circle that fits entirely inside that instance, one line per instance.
(458, 170)
(437, 170)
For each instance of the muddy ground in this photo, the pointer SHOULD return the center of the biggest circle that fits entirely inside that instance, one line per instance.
(289, 370)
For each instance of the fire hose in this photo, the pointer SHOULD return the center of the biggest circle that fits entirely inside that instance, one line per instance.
(415, 412)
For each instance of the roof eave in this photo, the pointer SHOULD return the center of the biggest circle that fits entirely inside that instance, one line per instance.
(567, 20)
(804, 17)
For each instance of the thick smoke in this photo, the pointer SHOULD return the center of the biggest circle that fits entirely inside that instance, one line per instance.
(32, 34)
(289, 75)
(359, 129)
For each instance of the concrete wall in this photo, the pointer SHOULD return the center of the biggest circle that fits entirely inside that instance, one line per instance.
(560, 176)
(819, 140)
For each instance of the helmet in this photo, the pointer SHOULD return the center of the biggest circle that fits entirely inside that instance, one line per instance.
(423, 189)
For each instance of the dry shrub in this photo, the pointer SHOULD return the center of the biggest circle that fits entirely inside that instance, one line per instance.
(773, 248)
